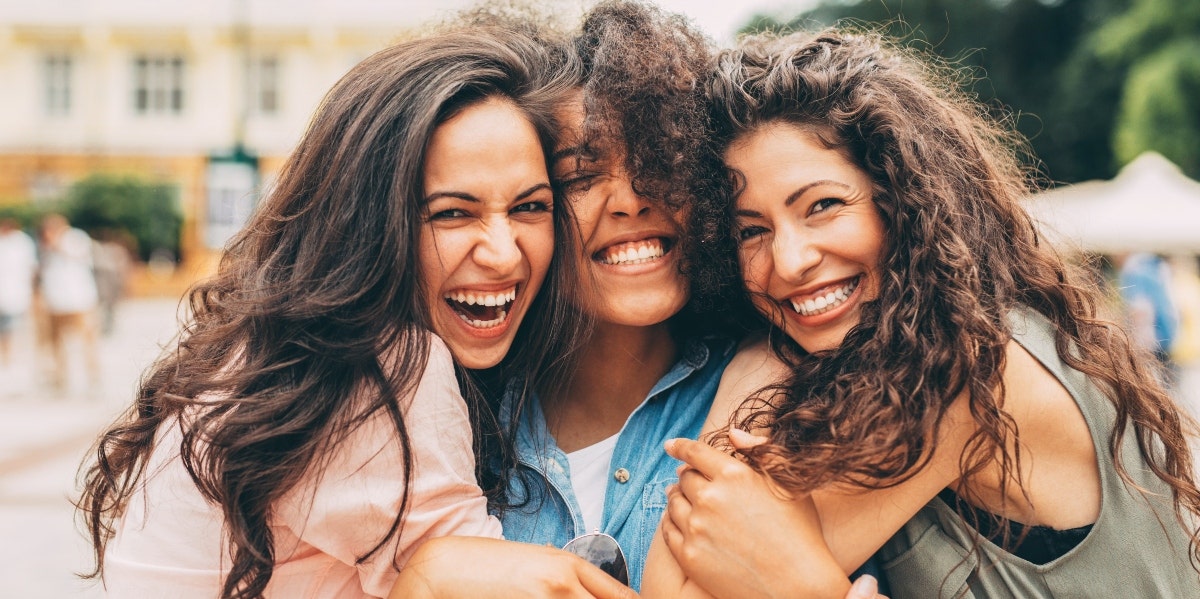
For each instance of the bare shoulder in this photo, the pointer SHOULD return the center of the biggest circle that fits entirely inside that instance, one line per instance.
(1036, 399)
(752, 369)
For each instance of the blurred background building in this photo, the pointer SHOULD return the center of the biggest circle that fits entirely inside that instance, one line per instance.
(193, 105)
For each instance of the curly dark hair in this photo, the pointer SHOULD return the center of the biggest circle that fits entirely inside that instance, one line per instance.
(960, 254)
(315, 322)
(644, 85)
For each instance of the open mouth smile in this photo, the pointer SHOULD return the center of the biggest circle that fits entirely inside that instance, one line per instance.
(634, 252)
(828, 299)
(482, 309)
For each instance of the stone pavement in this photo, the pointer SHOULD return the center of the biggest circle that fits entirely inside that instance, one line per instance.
(44, 437)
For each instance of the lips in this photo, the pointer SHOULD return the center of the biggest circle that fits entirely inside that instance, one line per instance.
(825, 299)
(482, 309)
(634, 252)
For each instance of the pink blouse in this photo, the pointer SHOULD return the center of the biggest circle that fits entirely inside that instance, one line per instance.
(169, 541)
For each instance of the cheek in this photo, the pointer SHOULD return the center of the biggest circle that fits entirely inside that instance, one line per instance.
(439, 254)
(537, 245)
(585, 212)
(756, 269)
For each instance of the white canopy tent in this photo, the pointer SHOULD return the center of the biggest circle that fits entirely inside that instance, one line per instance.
(1150, 206)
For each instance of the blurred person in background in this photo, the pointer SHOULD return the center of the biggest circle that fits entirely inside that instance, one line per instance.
(112, 259)
(1144, 283)
(1185, 291)
(18, 267)
(68, 293)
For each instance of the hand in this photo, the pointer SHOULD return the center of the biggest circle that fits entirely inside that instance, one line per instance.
(737, 535)
(866, 587)
(449, 567)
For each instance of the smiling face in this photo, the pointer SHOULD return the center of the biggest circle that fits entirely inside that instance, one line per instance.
(809, 233)
(488, 235)
(630, 243)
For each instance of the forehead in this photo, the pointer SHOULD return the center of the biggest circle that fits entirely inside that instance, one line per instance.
(575, 140)
(780, 157)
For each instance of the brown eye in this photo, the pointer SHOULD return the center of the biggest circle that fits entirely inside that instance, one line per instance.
(749, 232)
(824, 204)
(536, 206)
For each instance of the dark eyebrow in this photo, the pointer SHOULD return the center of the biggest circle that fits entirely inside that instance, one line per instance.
(795, 195)
(470, 198)
(533, 190)
(451, 194)
(747, 213)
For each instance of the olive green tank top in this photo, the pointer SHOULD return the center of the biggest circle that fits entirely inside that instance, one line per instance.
(1136, 548)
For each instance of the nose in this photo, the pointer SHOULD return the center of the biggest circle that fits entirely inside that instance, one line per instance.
(624, 200)
(497, 248)
(794, 254)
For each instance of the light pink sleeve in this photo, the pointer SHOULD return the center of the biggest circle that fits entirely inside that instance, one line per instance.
(359, 494)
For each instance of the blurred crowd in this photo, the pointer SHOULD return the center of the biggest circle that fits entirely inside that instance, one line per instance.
(1161, 299)
(65, 285)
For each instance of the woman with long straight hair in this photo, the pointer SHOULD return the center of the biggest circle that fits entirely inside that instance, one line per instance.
(306, 431)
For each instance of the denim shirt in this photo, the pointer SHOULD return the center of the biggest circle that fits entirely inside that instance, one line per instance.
(635, 498)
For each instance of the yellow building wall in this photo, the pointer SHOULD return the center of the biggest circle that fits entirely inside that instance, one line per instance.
(19, 174)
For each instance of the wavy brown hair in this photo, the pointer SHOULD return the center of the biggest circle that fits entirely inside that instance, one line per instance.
(960, 255)
(314, 322)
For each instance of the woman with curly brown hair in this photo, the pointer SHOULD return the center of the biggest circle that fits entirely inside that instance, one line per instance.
(307, 431)
(949, 392)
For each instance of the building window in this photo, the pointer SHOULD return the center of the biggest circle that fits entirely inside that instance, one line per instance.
(262, 85)
(158, 84)
(57, 78)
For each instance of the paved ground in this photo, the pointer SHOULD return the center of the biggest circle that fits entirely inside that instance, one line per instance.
(44, 437)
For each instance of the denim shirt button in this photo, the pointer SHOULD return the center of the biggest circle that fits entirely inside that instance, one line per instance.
(622, 475)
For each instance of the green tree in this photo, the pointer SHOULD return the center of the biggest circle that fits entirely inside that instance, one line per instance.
(1156, 45)
(148, 212)
(1025, 56)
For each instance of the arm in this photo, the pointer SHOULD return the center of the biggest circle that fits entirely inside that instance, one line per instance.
(741, 567)
(501, 569)
(345, 510)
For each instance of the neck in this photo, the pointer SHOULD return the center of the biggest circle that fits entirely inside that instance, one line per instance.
(617, 369)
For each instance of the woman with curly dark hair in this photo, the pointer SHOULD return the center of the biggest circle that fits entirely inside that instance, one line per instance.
(307, 431)
(949, 392)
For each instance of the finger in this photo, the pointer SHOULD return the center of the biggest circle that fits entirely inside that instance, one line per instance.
(679, 509)
(866, 587)
(601, 585)
(672, 534)
(741, 439)
(690, 483)
(700, 456)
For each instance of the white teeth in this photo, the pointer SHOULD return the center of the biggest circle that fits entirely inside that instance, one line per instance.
(826, 302)
(485, 324)
(643, 251)
(472, 298)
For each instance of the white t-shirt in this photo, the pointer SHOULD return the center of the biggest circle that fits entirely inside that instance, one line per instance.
(590, 476)
(68, 285)
(18, 262)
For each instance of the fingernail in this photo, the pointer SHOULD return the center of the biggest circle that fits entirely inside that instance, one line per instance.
(866, 587)
(740, 435)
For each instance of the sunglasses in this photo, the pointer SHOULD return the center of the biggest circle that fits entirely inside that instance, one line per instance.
(602, 551)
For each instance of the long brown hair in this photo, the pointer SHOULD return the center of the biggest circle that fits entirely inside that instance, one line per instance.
(960, 254)
(314, 322)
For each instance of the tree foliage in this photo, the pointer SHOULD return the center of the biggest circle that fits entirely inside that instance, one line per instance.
(1091, 83)
(148, 212)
